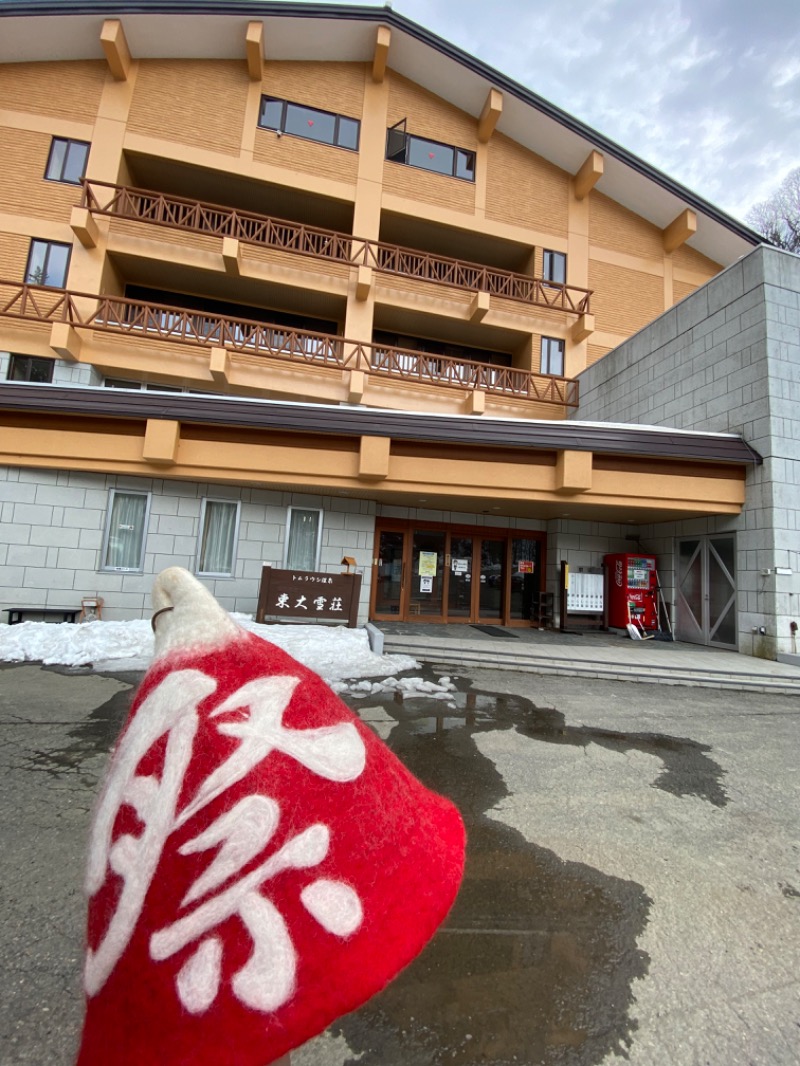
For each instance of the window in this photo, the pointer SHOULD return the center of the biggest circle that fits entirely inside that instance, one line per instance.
(308, 122)
(219, 529)
(137, 386)
(67, 161)
(48, 262)
(402, 147)
(123, 545)
(555, 267)
(30, 368)
(552, 357)
(303, 536)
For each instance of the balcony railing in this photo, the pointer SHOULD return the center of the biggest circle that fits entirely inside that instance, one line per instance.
(175, 212)
(118, 315)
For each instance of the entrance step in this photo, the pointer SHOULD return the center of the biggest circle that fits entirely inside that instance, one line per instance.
(668, 664)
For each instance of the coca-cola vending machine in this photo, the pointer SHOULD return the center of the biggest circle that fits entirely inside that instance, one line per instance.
(632, 588)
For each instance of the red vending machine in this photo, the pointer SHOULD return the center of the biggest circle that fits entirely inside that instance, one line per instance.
(631, 580)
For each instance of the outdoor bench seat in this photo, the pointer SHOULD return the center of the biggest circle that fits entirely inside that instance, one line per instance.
(17, 614)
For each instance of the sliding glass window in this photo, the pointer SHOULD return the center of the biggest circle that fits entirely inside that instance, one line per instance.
(126, 525)
(303, 538)
(299, 120)
(219, 531)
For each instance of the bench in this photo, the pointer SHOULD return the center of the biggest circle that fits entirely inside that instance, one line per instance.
(16, 614)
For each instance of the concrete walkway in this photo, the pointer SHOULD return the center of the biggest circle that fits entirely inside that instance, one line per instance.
(603, 655)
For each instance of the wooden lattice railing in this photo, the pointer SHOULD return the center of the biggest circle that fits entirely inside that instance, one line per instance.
(118, 315)
(175, 212)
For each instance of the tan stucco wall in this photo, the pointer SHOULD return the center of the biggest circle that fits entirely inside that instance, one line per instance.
(60, 90)
(204, 114)
(197, 102)
(525, 190)
(528, 482)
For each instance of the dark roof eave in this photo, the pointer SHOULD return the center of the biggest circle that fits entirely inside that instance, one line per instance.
(264, 8)
(635, 441)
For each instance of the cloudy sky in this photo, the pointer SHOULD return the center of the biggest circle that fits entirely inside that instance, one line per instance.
(706, 90)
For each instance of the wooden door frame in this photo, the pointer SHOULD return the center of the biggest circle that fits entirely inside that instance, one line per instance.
(407, 526)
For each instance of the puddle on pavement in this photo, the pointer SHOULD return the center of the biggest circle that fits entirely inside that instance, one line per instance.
(94, 735)
(537, 960)
(538, 957)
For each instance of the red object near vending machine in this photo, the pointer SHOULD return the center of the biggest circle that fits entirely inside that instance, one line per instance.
(632, 584)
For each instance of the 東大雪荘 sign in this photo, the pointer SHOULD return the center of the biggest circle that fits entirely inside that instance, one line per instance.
(312, 596)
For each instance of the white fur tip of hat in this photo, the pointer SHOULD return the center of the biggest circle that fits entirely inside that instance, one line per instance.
(188, 615)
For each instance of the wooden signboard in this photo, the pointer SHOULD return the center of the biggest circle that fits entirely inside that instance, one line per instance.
(308, 595)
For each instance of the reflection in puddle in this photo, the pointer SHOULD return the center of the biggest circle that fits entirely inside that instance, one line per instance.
(93, 736)
(537, 959)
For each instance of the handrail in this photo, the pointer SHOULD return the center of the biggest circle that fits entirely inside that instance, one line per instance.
(176, 212)
(248, 337)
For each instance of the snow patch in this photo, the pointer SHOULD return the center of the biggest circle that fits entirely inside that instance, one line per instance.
(335, 653)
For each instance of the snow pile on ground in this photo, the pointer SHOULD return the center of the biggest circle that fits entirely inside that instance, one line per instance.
(442, 689)
(334, 653)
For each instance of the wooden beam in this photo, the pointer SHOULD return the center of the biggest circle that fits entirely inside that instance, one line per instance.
(383, 39)
(219, 364)
(373, 458)
(588, 176)
(476, 402)
(65, 341)
(254, 47)
(573, 472)
(232, 256)
(363, 282)
(583, 328)
(115, 46)
(356, 383)
(492, 110)
(84, 227)
(680, 230)
(479, 306)
(161, 439)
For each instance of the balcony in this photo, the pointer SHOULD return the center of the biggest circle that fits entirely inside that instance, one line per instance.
(174, 212)
(249, 340)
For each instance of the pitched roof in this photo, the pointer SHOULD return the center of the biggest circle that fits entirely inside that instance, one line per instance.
(346, 33)
(310, 419)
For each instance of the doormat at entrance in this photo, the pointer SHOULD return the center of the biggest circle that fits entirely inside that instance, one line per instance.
(496, 631)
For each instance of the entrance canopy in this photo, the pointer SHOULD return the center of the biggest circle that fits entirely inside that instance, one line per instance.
(528, 469)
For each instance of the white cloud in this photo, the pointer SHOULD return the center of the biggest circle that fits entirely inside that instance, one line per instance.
(707, 92)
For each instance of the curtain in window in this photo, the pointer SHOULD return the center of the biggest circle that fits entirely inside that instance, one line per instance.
(217, 538)
(301, 552)
(126, 531)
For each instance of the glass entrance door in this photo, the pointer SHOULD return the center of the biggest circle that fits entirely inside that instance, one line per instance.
(476, 579)
(455, 575)
(428, 575)
(706, 600)
(389, 572)
(492, 580)
(525, 578)
(460, 584)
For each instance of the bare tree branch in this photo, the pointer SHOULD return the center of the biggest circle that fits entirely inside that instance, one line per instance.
(778, 218)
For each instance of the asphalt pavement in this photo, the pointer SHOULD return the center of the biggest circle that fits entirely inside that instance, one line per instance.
(632, 885)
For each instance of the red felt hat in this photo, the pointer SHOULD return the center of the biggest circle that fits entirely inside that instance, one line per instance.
(260, 862)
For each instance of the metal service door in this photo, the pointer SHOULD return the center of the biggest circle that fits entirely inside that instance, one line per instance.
(706, 599)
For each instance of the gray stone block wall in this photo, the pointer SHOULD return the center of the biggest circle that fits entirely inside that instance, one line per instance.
(582, 545)
(64, 373)
(727, 359)
(52, 525)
